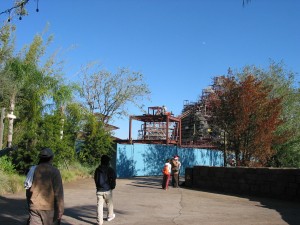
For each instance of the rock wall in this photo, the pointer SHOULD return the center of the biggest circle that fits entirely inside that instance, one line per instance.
(265, 182)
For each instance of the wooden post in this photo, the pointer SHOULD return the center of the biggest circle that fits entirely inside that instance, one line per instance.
(130, 124)
(225, 161)
(11, 118)
(2, 127)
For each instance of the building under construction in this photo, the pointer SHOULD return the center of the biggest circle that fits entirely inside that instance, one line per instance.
(190, 129)
(158, 127)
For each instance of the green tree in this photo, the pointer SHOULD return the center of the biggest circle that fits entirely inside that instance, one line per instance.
(75, 117)
(50, 136)
(39, 95)
(7, 43)
(97, 141)
(287, 153)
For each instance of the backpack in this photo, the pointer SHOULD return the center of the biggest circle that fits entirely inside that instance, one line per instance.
(165, 170)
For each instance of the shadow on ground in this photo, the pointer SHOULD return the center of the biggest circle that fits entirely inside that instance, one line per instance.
(288, 210)
(14, 211)
(17, 206)
(146, 182)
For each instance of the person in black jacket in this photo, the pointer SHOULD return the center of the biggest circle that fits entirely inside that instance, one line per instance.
(105, 180)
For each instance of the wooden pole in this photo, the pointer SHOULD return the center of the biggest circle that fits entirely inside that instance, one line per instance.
(2, 127)
(225, 156)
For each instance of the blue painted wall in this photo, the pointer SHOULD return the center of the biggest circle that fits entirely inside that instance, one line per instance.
(148, 160)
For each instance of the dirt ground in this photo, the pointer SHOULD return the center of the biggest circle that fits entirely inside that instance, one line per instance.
(142, 201)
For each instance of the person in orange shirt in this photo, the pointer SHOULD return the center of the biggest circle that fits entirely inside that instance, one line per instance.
(166, 175)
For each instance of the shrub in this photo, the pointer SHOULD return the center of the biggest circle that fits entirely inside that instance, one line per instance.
(6, 165)
(75, 171)
(10, 183)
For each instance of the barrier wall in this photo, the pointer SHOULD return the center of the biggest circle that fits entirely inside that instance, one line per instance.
(265, 182)
(148, 160)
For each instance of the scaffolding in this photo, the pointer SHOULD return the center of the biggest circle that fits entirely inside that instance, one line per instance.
(158, 126)
(195, 129)
(190, 129)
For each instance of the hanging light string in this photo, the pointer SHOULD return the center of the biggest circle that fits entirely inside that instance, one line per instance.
(19, 7)
(246, 2)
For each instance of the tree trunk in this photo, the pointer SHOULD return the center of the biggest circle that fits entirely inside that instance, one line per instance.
(11, 118)
(225, 155)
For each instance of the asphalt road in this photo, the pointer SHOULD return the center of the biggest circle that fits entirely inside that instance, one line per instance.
(141, 201)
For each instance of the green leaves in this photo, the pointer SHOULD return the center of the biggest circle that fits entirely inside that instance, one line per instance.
(97, 141)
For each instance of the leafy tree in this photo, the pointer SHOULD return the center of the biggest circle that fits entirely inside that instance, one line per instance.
(109, 94)
(50, 136)
(75, 115)
(38, 93)
(287, 153)
(98, 141)
(46, 113)
(244, 110)
(7, 43)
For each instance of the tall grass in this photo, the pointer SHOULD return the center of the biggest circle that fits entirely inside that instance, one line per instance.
(11, 182)
(75, 171)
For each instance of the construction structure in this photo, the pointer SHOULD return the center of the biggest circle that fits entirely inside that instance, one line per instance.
(195, 128)
(158, 127)
(190, 129)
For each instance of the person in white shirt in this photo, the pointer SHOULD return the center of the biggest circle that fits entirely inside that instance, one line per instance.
(166, 175)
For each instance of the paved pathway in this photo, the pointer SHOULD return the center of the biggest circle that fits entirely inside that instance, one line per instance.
(141, 201)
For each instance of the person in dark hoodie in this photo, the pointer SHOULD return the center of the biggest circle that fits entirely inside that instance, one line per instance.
(46, 195)
(105, 180)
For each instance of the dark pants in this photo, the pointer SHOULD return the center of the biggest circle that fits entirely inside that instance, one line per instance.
(175, 180)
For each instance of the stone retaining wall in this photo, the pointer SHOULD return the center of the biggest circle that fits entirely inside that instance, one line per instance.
(266, 182)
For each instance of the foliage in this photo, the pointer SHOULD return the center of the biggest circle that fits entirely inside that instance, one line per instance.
(6, 165)
(75, 171)
(109, 94)
(287, 153)
(7, 43)
(50, 136)
(75, 115)
(12, 183)
(97, 141)
(34, 90)
(247, 114)
(39, 96)
(6, 50)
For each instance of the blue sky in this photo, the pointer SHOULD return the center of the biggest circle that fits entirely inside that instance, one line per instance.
(179, 45)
